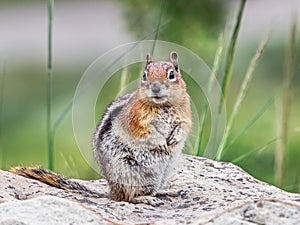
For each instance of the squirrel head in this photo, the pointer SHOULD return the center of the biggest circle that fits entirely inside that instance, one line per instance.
(162, 82)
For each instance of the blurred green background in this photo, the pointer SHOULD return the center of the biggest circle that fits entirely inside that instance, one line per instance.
(84, 30)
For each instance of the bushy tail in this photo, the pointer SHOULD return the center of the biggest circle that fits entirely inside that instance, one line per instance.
(55, 180)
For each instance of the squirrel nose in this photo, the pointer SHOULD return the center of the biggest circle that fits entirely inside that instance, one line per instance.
(155, 87)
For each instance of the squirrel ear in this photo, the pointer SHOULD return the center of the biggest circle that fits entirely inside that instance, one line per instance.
(174, 59)
(149, 58)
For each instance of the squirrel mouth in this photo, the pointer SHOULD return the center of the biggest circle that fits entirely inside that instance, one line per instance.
(158, 96)
(159, 99)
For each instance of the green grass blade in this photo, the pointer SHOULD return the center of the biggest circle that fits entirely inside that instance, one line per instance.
(216, 66)
(242, 93)
(251, 122)
(199, 139)
(217, 60)
(231, 52)
(262, 148)
(49, 87)
(123, 80)
(283, 128)
(62, 116)
(249, 76)
(2, 86)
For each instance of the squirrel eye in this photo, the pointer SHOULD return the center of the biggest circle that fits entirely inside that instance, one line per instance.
(171, 75)
(145, 76)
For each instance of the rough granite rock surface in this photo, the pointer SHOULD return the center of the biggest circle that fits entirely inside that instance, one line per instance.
(47, 210)
(212, 193)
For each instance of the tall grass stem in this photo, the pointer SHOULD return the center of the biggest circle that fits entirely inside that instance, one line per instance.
(216, 66)
(124, 76)
(242, 93)
(230, 54)
(283, 128)
(2, 86)
(50, 136)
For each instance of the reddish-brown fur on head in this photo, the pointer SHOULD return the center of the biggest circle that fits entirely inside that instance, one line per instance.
(158, 70)
(162, 82)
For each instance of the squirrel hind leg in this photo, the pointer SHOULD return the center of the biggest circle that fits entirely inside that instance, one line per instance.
(121, 192)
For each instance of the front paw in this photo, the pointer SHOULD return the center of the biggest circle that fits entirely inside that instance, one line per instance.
(175, 136)
(161, 149)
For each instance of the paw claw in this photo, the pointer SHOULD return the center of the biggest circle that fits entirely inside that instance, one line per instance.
(171, 193)
(149, 200)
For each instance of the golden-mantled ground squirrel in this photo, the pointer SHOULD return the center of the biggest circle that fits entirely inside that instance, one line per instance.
(140, 136)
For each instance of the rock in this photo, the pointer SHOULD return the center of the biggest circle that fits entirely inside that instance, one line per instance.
(47, 210)
(260, 212)
(212, 193)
